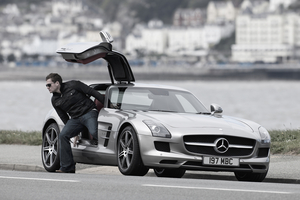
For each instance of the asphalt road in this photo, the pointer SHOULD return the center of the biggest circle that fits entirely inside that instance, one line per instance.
(42, 185)
(283, 168)
(23, 177)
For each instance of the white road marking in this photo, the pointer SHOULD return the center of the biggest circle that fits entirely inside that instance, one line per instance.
(220, 189)
(39, 179)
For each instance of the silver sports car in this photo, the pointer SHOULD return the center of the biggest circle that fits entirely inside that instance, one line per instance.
(167, 129)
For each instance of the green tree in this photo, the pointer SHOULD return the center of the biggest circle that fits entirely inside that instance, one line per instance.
(162, 9)
(11, 58)
(1, 58)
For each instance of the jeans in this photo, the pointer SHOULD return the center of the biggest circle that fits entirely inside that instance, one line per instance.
(72, 128)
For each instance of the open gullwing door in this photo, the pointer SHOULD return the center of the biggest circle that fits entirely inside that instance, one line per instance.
(118, 66)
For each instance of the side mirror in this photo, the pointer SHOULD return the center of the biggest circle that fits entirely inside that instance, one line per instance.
(215, 109)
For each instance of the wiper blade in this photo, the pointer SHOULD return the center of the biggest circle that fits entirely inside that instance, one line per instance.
(162, 110)
(204, 113)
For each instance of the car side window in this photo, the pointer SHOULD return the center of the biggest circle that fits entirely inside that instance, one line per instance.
(128, 99)
(114, 96)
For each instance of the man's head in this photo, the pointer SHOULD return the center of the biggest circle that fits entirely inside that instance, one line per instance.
(53, 82)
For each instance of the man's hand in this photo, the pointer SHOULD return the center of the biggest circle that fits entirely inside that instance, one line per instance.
(114, 106)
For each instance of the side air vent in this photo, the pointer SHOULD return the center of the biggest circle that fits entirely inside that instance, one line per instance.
(162, 146)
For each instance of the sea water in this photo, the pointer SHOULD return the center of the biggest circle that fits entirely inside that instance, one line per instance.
(273, 104)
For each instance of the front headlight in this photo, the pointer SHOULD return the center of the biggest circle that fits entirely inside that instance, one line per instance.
(264, 135)
(157, 129)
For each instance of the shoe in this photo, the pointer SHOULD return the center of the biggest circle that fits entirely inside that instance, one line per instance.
(77, 141)
(85, 142)
(94, 142)
(61, 171)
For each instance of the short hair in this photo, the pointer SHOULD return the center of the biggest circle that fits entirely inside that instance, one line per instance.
(54, 77)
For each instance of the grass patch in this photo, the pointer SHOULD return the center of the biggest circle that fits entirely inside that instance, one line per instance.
(285, 141)
(282, 141)
(20, 137)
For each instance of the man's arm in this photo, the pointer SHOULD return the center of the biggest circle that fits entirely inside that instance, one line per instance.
(90, 91)
(62, 114)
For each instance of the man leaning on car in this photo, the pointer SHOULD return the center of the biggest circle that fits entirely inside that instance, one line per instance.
(71, 98)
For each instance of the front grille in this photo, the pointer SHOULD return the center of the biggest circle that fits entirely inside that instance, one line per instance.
(205, 144)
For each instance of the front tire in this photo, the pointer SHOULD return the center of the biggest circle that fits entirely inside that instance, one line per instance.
(171, 173)
(249, 176)
(129, 157)
(50, 153)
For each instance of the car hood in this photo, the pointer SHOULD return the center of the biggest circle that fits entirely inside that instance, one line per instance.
(185, 120)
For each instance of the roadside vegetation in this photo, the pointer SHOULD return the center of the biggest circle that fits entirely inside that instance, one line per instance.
(282, 141)
(20, 137)
(285, 141)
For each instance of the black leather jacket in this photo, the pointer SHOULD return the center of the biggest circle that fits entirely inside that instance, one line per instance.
(74, 100)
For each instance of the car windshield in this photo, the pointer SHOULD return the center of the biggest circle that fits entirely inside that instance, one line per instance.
(155, 99)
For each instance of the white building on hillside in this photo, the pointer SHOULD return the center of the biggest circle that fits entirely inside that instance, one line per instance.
(185, 39)
(265, 36)
(11, 9)
(214, 33)
(41, 46)
(177, 40)
(149, 39)
(255, 6)
(61, 7)
(274, 4)
(221, 12)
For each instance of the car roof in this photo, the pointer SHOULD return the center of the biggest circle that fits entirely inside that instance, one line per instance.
(118, 66)
(159, 86)
(104, 86)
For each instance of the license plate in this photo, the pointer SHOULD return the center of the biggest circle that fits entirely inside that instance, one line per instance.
(221, 161)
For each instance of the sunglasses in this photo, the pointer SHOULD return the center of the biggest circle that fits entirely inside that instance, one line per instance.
(48, 85)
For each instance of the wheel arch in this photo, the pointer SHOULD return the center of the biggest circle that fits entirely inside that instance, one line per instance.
(49, 121)
(134, 126)
(124, 125)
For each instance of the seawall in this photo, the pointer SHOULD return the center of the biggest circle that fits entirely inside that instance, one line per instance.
(152, 73)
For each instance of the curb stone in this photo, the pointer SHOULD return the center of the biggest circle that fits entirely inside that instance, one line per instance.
(18, 167)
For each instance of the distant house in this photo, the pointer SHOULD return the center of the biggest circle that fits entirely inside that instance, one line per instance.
(181, 40)
(255, 6)
(41, 46)
(221, 12)
(149, 39)
(275, 4)
(189, 17)
(60, 7)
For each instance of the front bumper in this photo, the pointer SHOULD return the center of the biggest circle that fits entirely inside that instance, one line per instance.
(175, 160)
(178, 157)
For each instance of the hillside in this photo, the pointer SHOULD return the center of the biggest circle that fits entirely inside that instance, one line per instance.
(137, 10)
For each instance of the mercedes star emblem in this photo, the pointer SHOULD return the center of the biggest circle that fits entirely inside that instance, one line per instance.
(221, 145)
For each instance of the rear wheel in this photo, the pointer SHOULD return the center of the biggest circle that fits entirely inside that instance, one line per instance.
(129, 157)
(50, 154)
(172, 173)
(249, 176)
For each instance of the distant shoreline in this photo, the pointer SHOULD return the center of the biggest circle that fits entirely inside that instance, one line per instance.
(152, 73)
